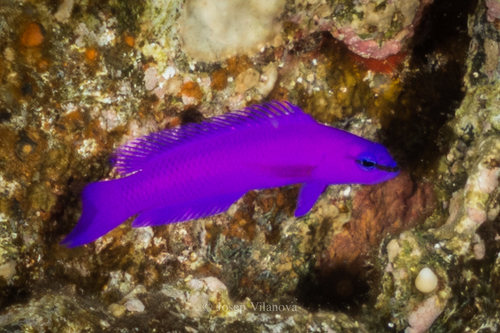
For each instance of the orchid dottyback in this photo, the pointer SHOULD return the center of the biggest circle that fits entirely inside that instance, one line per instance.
(198, 170)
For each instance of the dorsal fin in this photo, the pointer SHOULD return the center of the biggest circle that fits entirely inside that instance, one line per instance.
(132, 156)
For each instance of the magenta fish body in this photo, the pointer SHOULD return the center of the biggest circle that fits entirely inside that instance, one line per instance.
(198, 170)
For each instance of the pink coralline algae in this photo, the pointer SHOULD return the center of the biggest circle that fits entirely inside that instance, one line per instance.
(368, 48)
(488, 180)
(493, 10)
(422, 318)
(373, 34)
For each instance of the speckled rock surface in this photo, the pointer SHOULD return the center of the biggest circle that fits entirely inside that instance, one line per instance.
(78, 79)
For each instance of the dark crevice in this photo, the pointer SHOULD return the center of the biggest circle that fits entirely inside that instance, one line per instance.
(339, 290)
(433, 87)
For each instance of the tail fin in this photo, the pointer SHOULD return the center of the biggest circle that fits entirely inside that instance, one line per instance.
(103, 210)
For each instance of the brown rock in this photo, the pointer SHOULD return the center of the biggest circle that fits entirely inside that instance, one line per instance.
(391, 207)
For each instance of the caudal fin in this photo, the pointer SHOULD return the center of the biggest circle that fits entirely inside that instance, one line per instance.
(103, 210)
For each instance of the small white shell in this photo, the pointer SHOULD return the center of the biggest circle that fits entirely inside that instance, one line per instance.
(426, 280)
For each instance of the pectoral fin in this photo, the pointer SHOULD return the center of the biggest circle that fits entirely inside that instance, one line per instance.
(308, 195)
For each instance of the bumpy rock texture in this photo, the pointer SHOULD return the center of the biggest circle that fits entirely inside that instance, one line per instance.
(213, 30)
(81, 78)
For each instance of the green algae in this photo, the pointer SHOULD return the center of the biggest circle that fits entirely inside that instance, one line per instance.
(128, 14)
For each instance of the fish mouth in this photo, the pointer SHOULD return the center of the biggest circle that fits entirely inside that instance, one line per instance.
(387, 168)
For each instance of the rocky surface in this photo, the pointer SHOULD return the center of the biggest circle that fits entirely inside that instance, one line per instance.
(81, 78)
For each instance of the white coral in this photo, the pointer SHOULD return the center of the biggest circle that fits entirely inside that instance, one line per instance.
(216, 29)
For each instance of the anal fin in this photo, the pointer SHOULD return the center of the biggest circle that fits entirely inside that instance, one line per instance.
(308, 195)
(186, 211)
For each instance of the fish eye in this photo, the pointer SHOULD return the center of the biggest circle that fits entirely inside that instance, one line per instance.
(366, 163)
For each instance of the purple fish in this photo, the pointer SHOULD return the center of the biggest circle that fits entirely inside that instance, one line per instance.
(198, 170)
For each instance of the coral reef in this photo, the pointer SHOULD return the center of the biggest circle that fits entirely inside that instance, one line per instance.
(416, 254)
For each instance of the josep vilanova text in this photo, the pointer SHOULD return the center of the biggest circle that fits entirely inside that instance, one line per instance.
(257, 306)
